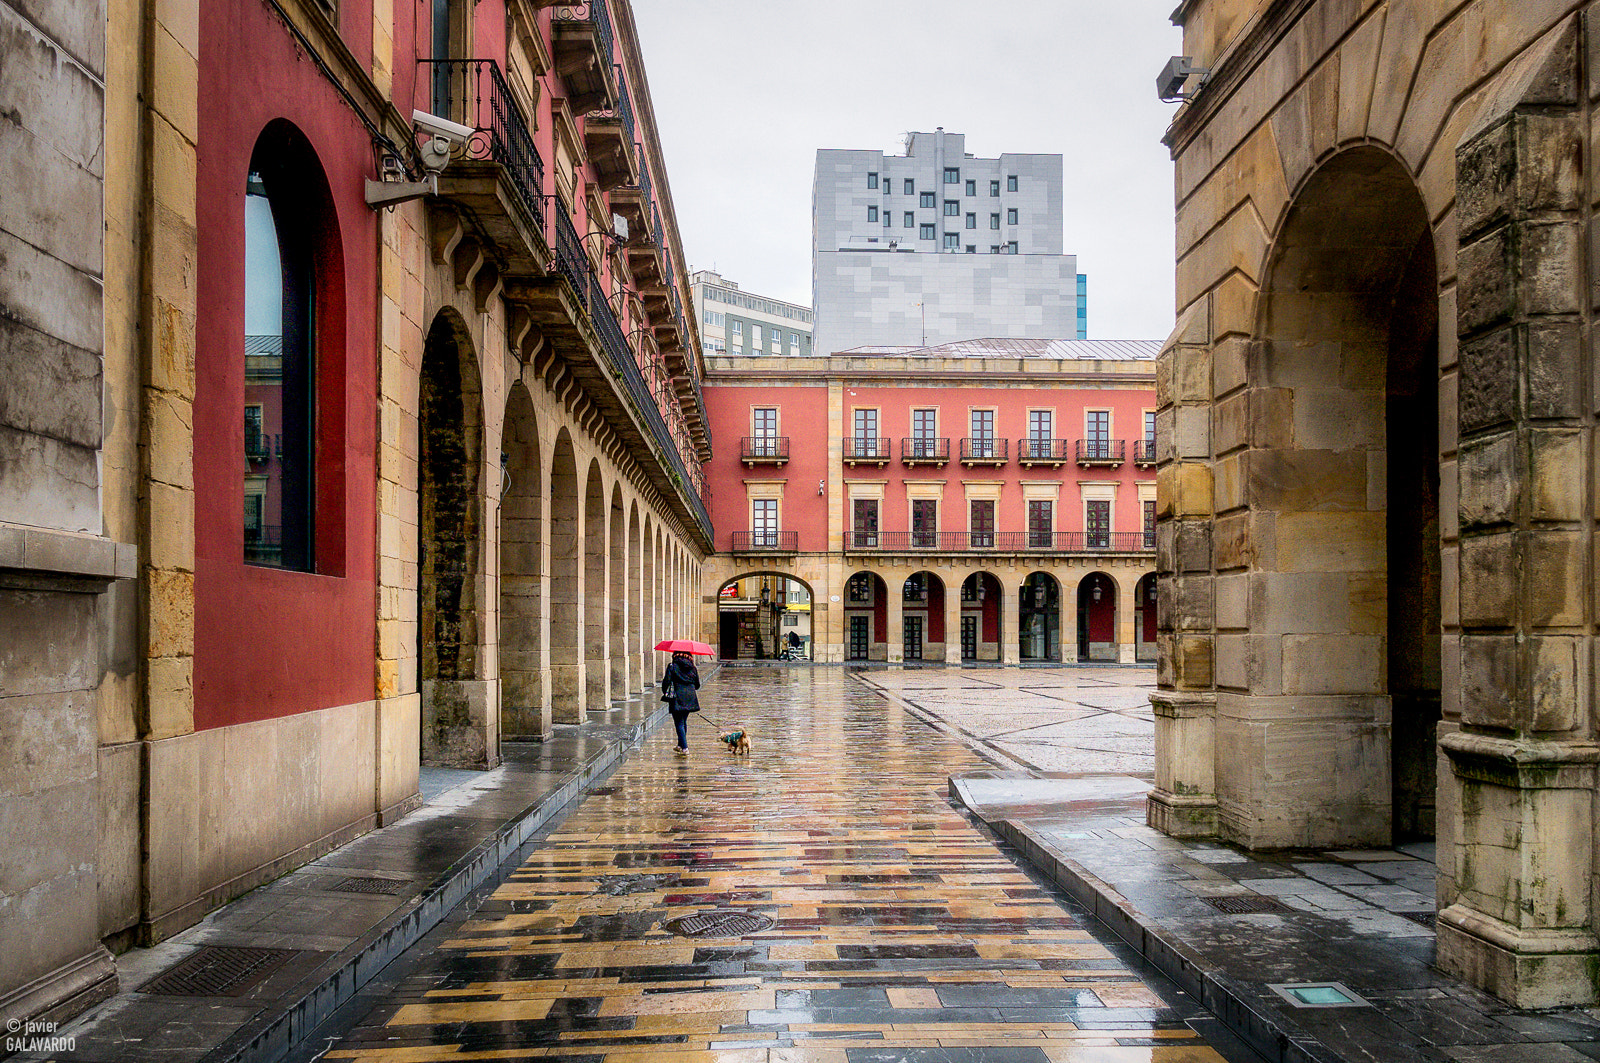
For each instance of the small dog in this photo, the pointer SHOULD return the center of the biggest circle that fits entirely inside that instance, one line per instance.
(738, 742)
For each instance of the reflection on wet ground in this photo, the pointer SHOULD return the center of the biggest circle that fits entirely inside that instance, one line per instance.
(899, 931)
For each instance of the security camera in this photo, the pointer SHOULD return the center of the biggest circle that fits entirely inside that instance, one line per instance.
(1170, 82)
(443, 137)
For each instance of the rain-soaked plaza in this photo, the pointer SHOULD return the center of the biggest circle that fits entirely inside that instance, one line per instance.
(886, 925)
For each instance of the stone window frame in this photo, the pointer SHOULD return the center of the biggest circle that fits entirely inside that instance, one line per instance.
(863, 491)
(1097, 491)
(877, 433)
(925, 491)
(982, 491)
(997, 434)
(762, 491)
(777, 418)
(1111, 421)
(1055, 421)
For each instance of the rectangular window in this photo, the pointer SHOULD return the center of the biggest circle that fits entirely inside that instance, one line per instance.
(888, 218)
(775, 337)
(1097, 426)
(860, 588)
(864, 522)
(972, 188)
(925, 233)
(994, 188)
(1150, 428)
(872, 180)
(952, 176)
(736, 327)
(952, 208)
(1011, 215)
(972, 221)
(1041, 523)
(981, 528)
(866, 425)
(764, 522)
(972, 249)
(1040, 432)
(952, 241)
(1011, 182)
(924, 426)
(994, 249)
(1011, 248)
(765, 422)
(994, 221)
(924, 523)
(755, 336)
(911, 220)
(982, 434)
(911, 187)
(925, 200)
(1097, 523)
(1149, 507)
(872, 213)
(794, 341)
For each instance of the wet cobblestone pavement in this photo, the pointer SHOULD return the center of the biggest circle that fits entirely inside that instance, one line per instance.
(899, 931)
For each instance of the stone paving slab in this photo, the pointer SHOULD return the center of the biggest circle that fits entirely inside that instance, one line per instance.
(470, 822)
(1345, 917)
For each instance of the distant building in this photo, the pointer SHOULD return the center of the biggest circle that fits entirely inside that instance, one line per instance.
(937, 246)
(737, 322)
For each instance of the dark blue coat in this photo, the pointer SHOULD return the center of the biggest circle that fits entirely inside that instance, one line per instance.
(679, 684)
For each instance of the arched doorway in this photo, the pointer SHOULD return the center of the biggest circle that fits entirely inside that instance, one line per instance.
(1040, 612)
(596, 652)
(619, 596)
(1097, 618)
(524, 703)
(981, 600)
(566, 623)
(765, 616)
(1144, 611)
(458, 726)
(866, 618)
(922, 621)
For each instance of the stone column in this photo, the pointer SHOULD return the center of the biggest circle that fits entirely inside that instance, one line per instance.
(894, 650)
(1010, 622)
(1127, 619)
(1517, 806)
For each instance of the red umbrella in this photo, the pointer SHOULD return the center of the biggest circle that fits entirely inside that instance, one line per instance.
(686, 646)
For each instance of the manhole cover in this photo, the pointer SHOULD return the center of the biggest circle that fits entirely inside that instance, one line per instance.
(386, 886)
(218, 971)
(1240, 905)
(1427, 919)
(719, 924)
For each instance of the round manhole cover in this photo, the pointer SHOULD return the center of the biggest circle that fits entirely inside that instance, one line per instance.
(719, 924)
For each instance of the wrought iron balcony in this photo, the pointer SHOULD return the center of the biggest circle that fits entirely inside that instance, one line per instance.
(919, 450)
(1002, 542)
(866, 450)
(1144, 452)
(1033, 451)
(984, 451)
(585, 55)
(609, 140)
(1101, 451)
(764, 450)
(765, 542)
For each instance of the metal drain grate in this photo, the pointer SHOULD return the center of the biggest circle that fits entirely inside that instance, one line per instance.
(725, 923)
(387, 886)
(1245, 905)
(1427, 919)
(218, 971)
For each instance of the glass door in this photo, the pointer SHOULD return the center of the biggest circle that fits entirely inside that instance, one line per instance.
(858, 637)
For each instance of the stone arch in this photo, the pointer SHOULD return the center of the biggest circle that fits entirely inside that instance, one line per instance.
(636, 624)
(566, 586)
(1144, 611)
(866, 616)
(617, 593)
(1097, 617)
(1039, 611)
(982, 606)
(727, 628)
(596, 646)
(923, 624)
(458, 724)
(524, 673)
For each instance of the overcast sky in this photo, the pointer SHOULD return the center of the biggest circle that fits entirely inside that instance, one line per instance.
(746, 91)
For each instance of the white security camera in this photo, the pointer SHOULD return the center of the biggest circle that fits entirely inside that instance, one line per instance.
(443, 137)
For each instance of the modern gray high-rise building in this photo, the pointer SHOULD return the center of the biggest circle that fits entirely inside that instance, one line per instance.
(937, 246)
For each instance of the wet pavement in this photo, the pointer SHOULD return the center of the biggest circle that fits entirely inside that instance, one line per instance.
(851, 915)
(1223, 923)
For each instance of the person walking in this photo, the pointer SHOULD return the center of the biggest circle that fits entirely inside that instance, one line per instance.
(678, 686)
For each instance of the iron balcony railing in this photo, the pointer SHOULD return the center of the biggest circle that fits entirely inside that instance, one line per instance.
(783, 542)
(764, 448)
(1004, 542)
(593, 11)
(918, 448)
(866, 448)
(1101, 451)
(1032, 449)
(985, 449)
(474, 93)
(1144, 452)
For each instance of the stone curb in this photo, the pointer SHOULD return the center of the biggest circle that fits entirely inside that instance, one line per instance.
(1269, 1035)
(271, 1038)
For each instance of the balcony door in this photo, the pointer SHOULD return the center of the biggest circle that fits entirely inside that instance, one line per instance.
(764, 423)
(864, 523)
(1097, 523)
(865, 440)
(981, 528)
(1097, 435)
(1041, 430)
(1041, 523)
(924, 523)
(982, 433)
(764, 523)
(924, 433)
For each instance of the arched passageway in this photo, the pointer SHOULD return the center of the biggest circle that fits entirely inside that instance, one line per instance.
(618, 597)
(566, 619)
(596, 652)
(764, 616)
(1040, 612)
(866, 618)
(981, 605)
(458, 724)
(1144, 622)
(524, 702)
(1097, 618)
(922, 621)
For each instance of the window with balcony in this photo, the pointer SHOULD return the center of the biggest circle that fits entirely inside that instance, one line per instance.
(1097, 435)
(764, 423)
(1149, 512)
(982, 434)
(864, 523)
(1041, 523)
(1097, 523)
(764, 523)
(924, 523)
(865, 423)
(980, 526)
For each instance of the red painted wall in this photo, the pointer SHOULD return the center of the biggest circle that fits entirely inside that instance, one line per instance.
(270, 643)
(803, 417)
